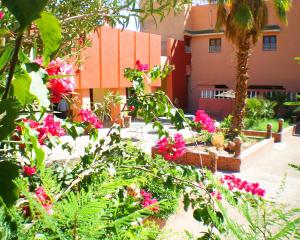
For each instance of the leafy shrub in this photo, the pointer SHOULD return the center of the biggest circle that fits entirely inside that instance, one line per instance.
(226, 123)
(103, 109)
(258, 108)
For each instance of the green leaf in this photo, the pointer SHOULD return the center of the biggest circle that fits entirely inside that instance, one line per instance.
(37, 87)
(8, 113)
(6, 55)
(50, 32)
(25, 11)
(21, 86)
(8, 191)
(29, 85)
(39, 152)
(243, 17)
(202, 215)
(186, 202)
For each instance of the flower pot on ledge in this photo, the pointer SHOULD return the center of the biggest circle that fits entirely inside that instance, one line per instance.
(158, 221)
(127, 121)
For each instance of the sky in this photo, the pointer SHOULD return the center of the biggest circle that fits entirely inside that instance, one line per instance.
(131, 26)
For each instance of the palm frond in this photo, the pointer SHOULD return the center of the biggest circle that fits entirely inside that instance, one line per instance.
(282, 7)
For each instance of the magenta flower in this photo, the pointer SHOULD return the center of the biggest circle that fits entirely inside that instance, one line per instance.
(48, 127)
(64, 85)
(148, 201)
(234, 183)
(29, 171)
(89, 117)
(217, 195)
(44, 199)
(2, 15)
(205, 122)
(131, 108)
(142, 67)
(171, 148)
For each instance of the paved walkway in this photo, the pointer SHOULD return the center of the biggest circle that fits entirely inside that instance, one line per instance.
(270, 170)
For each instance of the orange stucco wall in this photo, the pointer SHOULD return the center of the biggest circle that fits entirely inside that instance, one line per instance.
(111, 52)
(273, 68)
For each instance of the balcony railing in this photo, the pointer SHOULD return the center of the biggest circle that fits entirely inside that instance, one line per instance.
(203, 2)
(252, 93)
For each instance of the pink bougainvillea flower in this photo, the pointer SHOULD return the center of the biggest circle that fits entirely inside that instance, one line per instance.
(44, 199)
(32, 124)
(171, 147)
(2, 15)
(205, 121)
(29, 171)
(148, 201)
(131, 108)
(53, 127)
(48, 208)
(41, 195)
(39, 61)
(234, 183)
(217, 195)
(48, 127)
(89, 117)
(64, 84)
(141, 67)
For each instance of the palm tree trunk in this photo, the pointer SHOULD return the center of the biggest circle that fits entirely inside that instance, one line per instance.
(242, 78)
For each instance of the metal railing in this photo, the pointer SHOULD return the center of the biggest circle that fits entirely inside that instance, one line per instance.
(252, 93)
(203, 2)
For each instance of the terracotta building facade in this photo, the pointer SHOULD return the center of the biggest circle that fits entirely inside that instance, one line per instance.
(206, 59)
(112, 51)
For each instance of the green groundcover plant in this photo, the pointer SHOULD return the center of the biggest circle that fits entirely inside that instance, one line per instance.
(111, 190)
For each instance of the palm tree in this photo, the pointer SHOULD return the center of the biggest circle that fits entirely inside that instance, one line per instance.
(244, 20)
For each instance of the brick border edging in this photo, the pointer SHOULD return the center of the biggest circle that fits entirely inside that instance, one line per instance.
(224, 163)
(220, 162)
(278, 136)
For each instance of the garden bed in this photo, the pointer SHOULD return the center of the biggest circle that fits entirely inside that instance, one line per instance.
(213, 159)
(259, 142)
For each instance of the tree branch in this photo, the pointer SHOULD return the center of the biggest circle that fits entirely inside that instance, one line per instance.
(12, 65)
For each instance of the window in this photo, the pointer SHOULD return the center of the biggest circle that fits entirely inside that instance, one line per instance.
(269, 43)
(214, 45)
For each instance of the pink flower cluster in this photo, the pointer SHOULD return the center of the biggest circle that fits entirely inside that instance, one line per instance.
(141, 67)
(88, 116)
(171, 148)
(2, 15)
(235, 183)
(29, 171)
(148, 201)
(48, 127)
(44, 199)
(131, 108)
(217, 195)
(206, 122)
(65, 84)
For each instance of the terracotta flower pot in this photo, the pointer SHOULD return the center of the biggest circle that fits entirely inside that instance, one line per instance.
(160, 222)
(127, 121)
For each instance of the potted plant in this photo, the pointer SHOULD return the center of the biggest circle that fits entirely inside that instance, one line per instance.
(104, 109)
